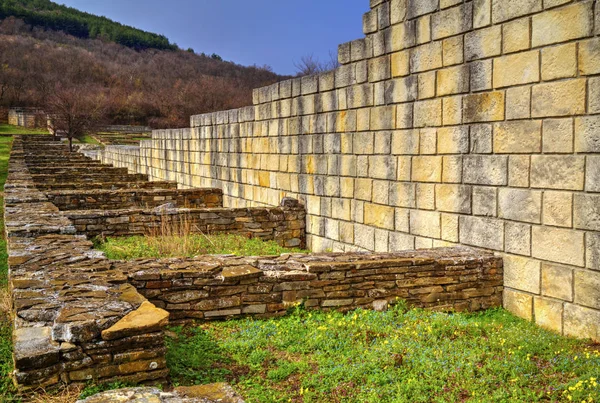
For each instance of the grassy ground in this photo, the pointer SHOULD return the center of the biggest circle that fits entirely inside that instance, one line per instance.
(9, 129)
(395, 356)
(87, 139)
(188, 246)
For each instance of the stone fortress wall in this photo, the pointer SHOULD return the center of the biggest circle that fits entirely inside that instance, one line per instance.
(450, 122)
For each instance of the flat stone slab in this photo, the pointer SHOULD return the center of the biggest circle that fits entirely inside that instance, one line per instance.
(147, 318)
(238, 272)
(213, 393)
(35, 348)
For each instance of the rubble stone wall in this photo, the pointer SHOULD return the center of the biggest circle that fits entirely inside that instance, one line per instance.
(450, 122)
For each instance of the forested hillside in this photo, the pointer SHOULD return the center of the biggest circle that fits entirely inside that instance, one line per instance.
(49, 15)
(143, 81)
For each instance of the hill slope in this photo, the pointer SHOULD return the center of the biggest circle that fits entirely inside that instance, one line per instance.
(147, 80)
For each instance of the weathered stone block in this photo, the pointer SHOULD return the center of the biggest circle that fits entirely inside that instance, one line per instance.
(403, 194)
(483, 232)
(548, 314)
(558, 135)
(587, 134)
(427, 169)
(453, 198)
(452, 110)
(452, 51)
(485, 170)
(428, 141)
(592, 173)
(518, 103)
(587, 284)
(519, 303)
(453, 80)
(517, 238)
(484, 107)
(482, 13)
(485, 201)
(379, 68)
(519, 167)
(561, 25)
(558, 245)
(522, 273)
(402, 36)
(400, 64)
(557, 281)
(379, 216)
(520, 205)
(426, 85)
(558, 208)
(452, 21)
(453, 140)
(423, 29)
(562, 98)
(481, 75)
(450, 227)
(426, 57)
(515, 35)
(452, 169)
(589, 57)
(518, 137)
(586, 211)
(594, 95)
(428, 113)
(520, 68)
(483, 43)
(557, 172)
(592, 241)
(425, 223)
(383, 118)
(418, 8)
(581, 322)
(559, 62)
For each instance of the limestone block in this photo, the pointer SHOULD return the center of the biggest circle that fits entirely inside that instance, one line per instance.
(416, 8)
(557, 281)
(403, 194)
(452, 110)
(428, 141)
(484, 107)
(146, 319)
(404, 116)
(363, 189)
(399, 241)
(587, 134)
(518, 303)
(425, 223)
(515, 35)
(481, 139)
(520, 68)
(592, 173)
(451, 170)
(453, 80)
(518, 103)
(548, 313)
(557, 172)
(485, 201)
(379, 68)
(452, 51)
(452, 21)
(558, 207)
(453, 198)
(402, 36)
(383, 14)
(503, 10)
(481, 75)
(483, 43)
(517, 238)
(405, 142)
(589, 57)
(482, 15)
(453, 140)
(581, 322)
(586, 211)
(383, 118)
(426, 57)
(426, 85)
(485, 170)
(518, 170)
(594, 95)
(522, 273)
(381, 191)
(404, 168)
(400, 63)
(426, 196)
(592, 250)
(482, 232)
(518, 137)
(428, 113)
(559, 62)
(562, 98)
(558, 135)
(398, 10)
(364, 236)
(382, 167)
(402, 220)
(563, 24)
(558, 245)
(370, 22)
(450, 227)
(587, 284)
(401, 90)
(423, 26)
(427, 169)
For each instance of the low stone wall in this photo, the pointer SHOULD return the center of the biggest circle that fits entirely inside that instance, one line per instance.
(80, 199)
(282, 224)
(452, 279)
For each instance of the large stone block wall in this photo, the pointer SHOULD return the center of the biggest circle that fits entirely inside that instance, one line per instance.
(450, 122)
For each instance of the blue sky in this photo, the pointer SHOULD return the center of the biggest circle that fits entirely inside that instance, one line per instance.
(273, 32)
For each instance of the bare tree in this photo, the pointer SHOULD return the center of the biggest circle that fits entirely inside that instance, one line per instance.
(309, 65)
(75, 111)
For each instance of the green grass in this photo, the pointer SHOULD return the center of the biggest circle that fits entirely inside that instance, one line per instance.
(188, 246)
(395, 356)
(10, 129)
(87, 139)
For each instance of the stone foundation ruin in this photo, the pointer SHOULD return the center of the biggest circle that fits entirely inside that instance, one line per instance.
(79, 316)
